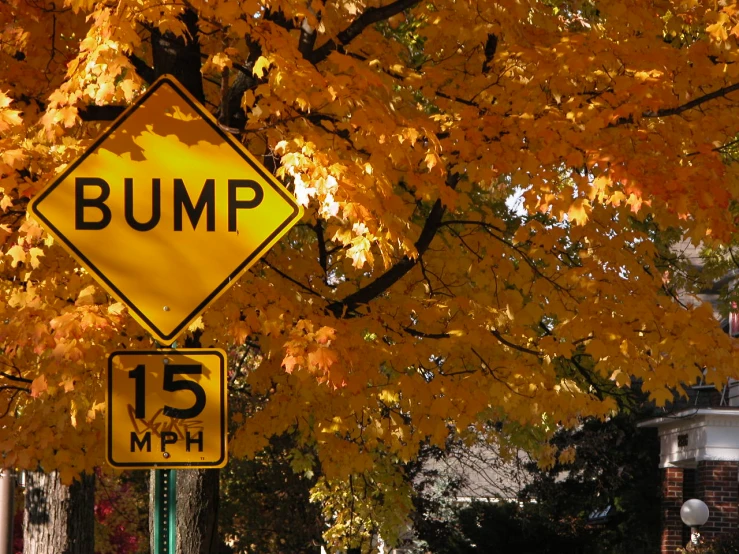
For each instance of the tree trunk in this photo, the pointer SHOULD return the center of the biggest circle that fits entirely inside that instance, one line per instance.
(58, 519)
(197, 511)
(180, 56)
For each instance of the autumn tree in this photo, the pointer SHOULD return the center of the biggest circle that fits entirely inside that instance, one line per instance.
(482, 181)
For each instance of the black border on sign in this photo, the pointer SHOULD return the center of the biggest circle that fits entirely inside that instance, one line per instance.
(166, 465)
(34, 207)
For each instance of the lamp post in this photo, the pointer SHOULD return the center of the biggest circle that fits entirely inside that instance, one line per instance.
(694, 513)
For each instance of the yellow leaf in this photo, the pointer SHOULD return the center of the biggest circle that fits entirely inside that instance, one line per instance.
(68, 115)
(248, 100)
(567, 455)
(579, 211)
(290, 362)
(8, 118)
(18, 254)
(35, 253)
(128, 87)
(13, 157)
(661, 395)
(67, 383)
(597, 349)
(431, 159)
(89, 296)
(221, 60)
(260, 67)
(116, 309)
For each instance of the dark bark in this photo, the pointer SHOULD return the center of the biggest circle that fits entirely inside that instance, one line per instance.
(180, 56)
(101, 113)
(59, 519)
(197, 511)
(230, 113)
(197, 500)
(491, 45)
(307, 40)
(142, 69)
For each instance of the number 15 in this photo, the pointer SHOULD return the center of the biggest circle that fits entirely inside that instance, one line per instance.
(170, 385)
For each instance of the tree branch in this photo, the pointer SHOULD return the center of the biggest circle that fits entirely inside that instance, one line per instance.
(491, 45)
(230, 114)
(284, 275)
(322, 253)
(524, 256)
(457, 99)
(677, 110)
(12, 399)
(307, 40)
(180, 55)
(15, 378)
(368, 17)
(510, 344)
(14, 388)
(142, 68)
(491, 372)
(101, 113)
(399, 270)
(723, 91)
(422, 335)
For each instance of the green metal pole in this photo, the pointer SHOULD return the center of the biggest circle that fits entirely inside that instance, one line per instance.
(165, 511)
(165, 507)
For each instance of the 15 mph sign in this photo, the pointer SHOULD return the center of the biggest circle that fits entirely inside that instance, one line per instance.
(166, 409)
(166, 210)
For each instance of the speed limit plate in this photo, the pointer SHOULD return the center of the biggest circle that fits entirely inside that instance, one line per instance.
(166, 409)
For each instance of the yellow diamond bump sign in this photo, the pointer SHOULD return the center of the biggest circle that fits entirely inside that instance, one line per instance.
(166, 210)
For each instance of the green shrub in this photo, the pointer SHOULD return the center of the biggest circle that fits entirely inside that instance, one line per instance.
(723, 544)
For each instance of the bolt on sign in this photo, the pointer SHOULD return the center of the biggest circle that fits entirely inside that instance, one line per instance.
(166, 409)
(166, 210)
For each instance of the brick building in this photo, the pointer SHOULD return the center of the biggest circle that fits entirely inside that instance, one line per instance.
(699, 457)
(699, 438)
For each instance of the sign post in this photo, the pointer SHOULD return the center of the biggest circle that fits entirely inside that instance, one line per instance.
(165, 511)
(7, 510)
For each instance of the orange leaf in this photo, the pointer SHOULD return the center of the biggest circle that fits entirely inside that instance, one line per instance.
(325, 334)
(38, 386)
(290, 362)
(322, 358)
(579, 211)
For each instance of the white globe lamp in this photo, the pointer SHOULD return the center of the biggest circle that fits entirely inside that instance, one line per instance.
(694, 513)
